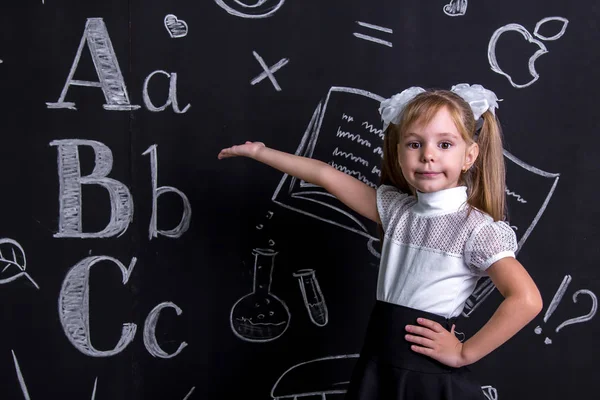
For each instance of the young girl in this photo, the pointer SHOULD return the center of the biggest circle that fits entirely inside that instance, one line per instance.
(441, 208)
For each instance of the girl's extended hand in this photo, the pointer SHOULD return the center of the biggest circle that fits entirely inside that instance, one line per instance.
(433, 340)
(248, 149)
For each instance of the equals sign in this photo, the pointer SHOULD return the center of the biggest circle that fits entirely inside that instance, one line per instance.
(371, 38)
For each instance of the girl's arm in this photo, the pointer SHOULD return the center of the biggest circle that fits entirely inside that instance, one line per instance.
(350, 191)
(522, 302)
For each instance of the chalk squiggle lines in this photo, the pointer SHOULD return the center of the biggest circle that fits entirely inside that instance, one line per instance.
(351, 156)
(515, 195)
(354, 137)
(372, 129)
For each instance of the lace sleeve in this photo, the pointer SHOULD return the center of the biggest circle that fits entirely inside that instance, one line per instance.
(489, 243)
(389, 200)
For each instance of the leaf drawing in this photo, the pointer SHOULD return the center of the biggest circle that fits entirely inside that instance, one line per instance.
(13, 255)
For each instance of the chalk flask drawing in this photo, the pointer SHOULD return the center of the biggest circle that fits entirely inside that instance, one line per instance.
(260, 316)
(312, 296)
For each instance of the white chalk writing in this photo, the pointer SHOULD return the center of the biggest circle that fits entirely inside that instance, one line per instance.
(352, 136)
(351, 156)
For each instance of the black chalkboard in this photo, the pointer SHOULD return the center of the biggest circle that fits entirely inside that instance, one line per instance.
(135, 265)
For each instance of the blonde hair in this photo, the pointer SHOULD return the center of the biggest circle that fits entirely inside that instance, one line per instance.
(485, 180)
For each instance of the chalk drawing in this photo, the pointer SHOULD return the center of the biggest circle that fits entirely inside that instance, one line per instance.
(456, 8)
(177, 28)
(490, 392)
(313, 298)
(515, 195)
(258, 9)
(371, 38)
(69, 193)
(556, 301)
(318, 377)
(345, 143)
(187, 396)
(530, 38)
(171, 101)
(268, 71)
(20, 377)
(24, 386)
(74, 307)
(186, 216)
(150, 331)
(323, 377)
(260, 316)
(563, 21)
(107, 68)
(372, 249)
(13, 255)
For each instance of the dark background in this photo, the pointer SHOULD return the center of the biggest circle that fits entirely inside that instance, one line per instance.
(551, 124)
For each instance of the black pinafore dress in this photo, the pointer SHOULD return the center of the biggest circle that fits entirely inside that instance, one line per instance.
(389, 370)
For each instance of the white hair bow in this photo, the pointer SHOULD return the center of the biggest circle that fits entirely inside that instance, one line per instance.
(391, 109)
(479, 98)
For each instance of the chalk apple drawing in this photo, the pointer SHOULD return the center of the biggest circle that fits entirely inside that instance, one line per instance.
(541, 22)
(529, 37)
(494, 62)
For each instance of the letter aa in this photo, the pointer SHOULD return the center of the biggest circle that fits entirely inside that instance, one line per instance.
(110, 79)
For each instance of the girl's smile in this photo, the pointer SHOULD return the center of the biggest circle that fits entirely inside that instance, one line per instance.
(433, 155)
(428, 174)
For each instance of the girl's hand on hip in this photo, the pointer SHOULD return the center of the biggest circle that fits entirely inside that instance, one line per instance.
(248, 149)
(433, 340)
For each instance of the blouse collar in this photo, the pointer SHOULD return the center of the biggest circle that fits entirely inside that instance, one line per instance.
(442, 201)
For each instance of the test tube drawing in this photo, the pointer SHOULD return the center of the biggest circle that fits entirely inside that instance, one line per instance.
(260, 316)
(312, 296)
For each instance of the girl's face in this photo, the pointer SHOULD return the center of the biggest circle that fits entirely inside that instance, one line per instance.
(432, 156)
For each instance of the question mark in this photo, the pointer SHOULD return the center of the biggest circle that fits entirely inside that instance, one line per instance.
(583, 318)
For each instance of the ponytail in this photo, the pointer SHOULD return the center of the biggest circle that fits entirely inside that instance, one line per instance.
(487, 177)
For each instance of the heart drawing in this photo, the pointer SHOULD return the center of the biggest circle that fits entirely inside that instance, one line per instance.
(456, 8)
(176, 27)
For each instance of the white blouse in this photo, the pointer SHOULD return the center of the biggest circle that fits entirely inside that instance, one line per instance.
(434, 250)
